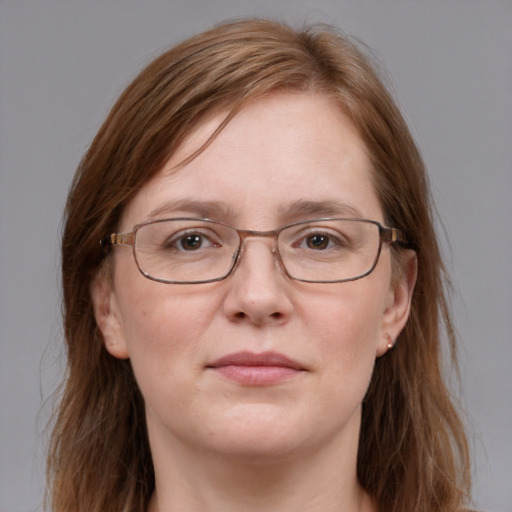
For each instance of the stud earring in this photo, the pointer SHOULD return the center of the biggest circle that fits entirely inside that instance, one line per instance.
(390, 344)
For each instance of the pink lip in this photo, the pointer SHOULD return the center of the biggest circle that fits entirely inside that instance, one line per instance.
(253, 369)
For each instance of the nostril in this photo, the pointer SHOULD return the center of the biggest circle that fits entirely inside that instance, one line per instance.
(240, 315)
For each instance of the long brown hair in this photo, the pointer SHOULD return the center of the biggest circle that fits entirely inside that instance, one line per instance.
(413, 455)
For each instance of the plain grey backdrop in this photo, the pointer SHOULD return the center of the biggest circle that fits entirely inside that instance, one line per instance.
(62, 63)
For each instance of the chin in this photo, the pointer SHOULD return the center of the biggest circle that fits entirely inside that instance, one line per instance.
(261, 434)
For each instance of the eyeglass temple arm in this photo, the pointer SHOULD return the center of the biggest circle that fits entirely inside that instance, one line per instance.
(392, 235)
(117, 239)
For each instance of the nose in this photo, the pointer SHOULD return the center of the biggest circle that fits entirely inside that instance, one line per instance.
(259, 291)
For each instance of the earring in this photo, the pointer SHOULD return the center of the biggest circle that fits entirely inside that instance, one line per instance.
(390, 344)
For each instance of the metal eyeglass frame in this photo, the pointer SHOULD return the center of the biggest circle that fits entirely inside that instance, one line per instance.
(386, 235)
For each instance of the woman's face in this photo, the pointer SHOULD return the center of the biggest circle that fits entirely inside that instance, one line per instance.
(195, 348)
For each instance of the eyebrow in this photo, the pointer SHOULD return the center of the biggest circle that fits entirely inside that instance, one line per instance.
(327, 208)
(204, 209)
(219, 210)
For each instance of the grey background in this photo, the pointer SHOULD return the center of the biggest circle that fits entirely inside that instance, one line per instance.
(62, 63)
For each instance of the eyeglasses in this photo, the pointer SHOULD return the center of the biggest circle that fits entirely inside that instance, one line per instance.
(191, 250)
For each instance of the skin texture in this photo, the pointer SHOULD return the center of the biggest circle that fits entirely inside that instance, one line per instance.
(218, 444)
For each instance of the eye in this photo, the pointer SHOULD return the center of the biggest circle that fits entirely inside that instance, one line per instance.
(192, 241)
(321, 241)
(318, 241)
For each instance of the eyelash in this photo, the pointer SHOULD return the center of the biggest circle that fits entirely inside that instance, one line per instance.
(179, 237)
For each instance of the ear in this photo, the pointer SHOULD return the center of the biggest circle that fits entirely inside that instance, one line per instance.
(107, 314)
(398, 302)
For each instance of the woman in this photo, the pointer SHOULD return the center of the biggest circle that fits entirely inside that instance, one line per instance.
(260, 327)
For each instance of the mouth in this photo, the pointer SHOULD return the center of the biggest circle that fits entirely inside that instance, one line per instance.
(251, 369)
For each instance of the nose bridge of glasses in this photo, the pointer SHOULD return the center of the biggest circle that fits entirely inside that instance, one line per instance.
(267, 236)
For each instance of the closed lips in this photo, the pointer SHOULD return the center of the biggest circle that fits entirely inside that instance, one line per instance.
(249, 369)
(253, 359)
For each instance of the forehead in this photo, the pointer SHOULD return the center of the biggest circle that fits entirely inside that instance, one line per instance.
(277, 153)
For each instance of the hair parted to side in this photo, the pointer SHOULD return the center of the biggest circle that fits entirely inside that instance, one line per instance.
(413, 455)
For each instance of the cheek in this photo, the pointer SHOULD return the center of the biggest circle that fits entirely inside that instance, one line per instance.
(155, 315)
(163, 320)
(347, 318)
(345, 324)
(164, 331)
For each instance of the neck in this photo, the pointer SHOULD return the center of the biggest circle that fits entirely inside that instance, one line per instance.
(194, 481)
(283, 495)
